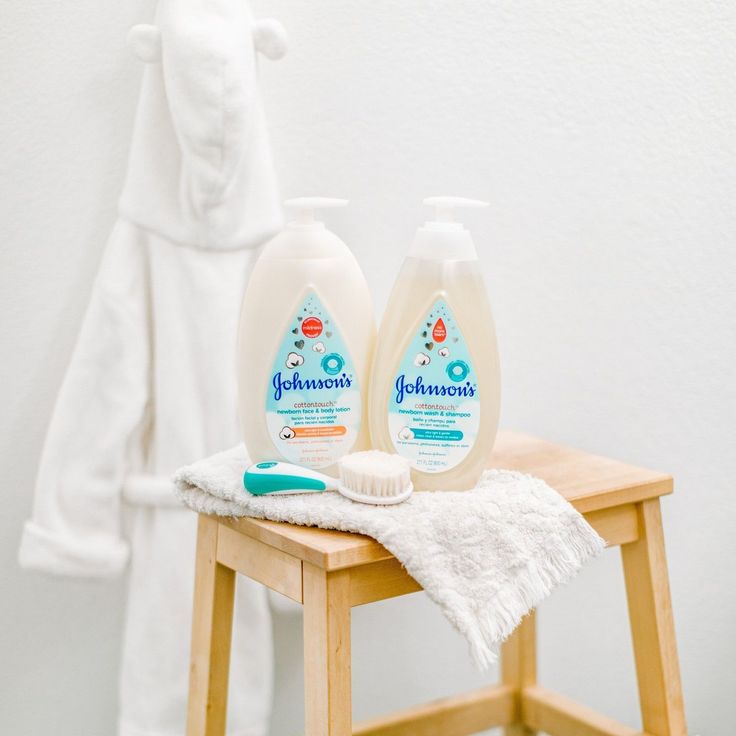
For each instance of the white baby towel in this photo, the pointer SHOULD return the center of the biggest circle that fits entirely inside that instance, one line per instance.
(486, 557)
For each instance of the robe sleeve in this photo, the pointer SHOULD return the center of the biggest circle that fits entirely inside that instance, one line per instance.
(75, 527)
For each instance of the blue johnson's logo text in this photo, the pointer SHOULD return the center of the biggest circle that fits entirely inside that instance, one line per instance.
(418, 387)
(297, 383)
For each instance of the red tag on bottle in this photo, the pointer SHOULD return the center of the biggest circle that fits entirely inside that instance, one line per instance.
(312, 327)
(439, 332)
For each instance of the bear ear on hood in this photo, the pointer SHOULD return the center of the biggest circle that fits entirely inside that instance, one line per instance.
(269, 37)
(145, 42)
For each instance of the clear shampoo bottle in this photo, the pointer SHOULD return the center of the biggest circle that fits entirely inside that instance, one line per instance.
(435, 388)
(307, 332)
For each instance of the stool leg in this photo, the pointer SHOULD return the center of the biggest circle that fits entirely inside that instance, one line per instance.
(327, 667)
(214, 590)
(519, 667)
(652, 626)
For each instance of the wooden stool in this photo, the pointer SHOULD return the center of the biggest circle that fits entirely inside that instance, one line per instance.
(329, 572)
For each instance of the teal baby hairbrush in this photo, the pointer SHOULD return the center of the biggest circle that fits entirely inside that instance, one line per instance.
(277, 477)
(373, 477)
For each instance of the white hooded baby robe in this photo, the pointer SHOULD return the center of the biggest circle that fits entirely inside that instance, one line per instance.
(151, 383)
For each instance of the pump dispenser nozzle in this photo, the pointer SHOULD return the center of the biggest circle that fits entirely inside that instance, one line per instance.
(443, 238)
(305, 207)
(445, 206)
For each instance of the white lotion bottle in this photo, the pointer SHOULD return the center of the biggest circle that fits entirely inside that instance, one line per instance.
(306, 338)
(435, 385)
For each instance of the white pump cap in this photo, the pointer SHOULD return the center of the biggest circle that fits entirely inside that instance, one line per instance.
(445, 206)
(304, 237)
(443, 238)
(305, 207)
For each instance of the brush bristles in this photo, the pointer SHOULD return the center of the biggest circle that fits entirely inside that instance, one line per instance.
(375, 473)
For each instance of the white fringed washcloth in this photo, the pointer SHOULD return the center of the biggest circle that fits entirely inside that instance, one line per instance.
(486, 556)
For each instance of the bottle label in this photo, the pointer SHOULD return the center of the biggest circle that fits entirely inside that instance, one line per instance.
(434, 408)
(313, 407)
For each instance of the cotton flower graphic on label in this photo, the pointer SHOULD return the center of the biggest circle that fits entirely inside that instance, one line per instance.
(318, 347)
(444, 352)
(405, 433)
(287, 433)
(422, 359)
(294, 359)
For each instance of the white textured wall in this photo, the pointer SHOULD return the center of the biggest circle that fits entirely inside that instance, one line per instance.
(603, 136)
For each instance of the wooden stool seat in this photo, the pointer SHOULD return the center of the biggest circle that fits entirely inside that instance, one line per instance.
(329, 572)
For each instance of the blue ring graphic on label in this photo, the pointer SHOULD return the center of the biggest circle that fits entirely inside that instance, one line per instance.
(458, 370)
(332, 364)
